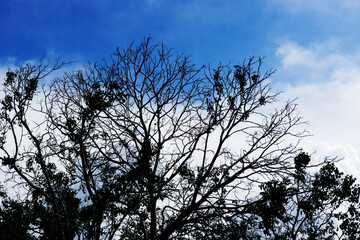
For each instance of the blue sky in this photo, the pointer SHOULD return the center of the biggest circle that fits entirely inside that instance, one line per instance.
(211, 31)
(313, 44)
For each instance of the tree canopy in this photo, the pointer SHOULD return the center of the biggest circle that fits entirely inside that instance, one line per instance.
(145, 145)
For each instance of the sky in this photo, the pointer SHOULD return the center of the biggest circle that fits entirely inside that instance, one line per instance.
(313, 45)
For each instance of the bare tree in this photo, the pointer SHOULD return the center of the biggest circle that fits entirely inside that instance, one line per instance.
(154, 147)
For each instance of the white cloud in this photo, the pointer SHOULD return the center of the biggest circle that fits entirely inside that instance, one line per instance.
(328, 97)
(316, 57)
(325, 58)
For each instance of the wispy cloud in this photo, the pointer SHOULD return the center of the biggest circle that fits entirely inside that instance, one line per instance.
(327, 61)
(327, 88)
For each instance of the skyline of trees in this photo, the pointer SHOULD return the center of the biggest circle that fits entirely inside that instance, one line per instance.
(146, 145)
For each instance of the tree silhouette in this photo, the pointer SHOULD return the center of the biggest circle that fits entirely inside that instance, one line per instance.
(147, 146)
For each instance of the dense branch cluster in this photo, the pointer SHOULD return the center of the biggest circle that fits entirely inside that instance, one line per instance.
(147, 146)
